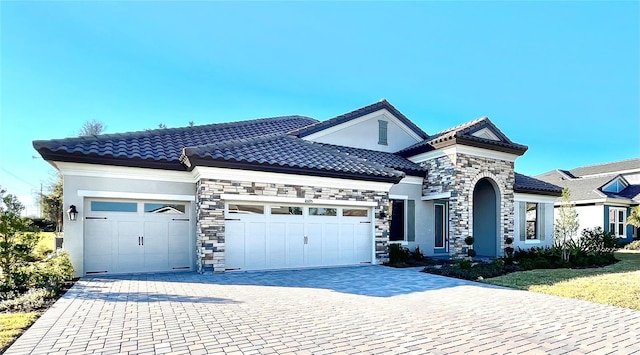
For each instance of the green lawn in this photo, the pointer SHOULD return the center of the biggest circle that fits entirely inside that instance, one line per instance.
(12, 325)
(617, 285)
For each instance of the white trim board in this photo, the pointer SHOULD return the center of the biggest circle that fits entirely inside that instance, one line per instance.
(123, 172)
(295, 200)
(383, 112)
(463, 149)
(288, 179)
(534, 198)
(436, 196)
(135, 195)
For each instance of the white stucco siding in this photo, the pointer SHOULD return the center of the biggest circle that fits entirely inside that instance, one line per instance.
(548, 219)
(363, 133)
(423, 215)
(78, 189)
(589, 217)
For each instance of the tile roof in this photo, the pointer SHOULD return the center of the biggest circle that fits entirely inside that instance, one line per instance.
(607, 168)
(287, 153)
(389, 160)
(588, 188)
(527, 184)
(382, 104)
(464, 134)
(160, 148)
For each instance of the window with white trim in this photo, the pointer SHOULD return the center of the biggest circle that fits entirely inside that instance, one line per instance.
(617, 218)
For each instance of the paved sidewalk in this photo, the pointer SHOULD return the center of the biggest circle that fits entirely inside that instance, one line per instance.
(356, 310)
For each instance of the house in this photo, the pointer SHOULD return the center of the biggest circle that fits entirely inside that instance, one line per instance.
(603, 194)
(290, 192)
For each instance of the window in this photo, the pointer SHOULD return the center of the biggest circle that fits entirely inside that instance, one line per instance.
(382, 132)
(321, 211)
(440, 220)
(164, 208)
(286, 210)
(246, 209)
(104, 206)
(354, 212)
(615, 186)
(617, 218)
(398, 222)
(532, 220)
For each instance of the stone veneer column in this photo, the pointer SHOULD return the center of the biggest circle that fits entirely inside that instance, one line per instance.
(210, 240)
(458, 174)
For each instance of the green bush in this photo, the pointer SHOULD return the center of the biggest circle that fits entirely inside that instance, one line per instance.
(398, 254)
(51, 273)
(32, 300)
(635, 245)
(417, 254)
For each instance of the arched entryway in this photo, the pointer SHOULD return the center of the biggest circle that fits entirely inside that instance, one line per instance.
(485, 218)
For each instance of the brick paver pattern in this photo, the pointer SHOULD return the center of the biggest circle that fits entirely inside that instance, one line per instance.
(351, 310)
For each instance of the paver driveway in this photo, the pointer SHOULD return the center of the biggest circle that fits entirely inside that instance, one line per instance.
(341, 310)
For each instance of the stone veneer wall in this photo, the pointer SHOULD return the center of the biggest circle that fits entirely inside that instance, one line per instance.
(210, 212)
(459, 174)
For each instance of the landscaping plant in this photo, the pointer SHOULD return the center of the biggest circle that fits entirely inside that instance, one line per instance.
(566, 226)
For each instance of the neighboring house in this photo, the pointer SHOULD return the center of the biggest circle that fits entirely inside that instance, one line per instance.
(603, 194)
(289, 192)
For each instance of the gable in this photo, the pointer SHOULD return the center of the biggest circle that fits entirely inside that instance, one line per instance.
(615, 186)
(486, 133)
(368, 131)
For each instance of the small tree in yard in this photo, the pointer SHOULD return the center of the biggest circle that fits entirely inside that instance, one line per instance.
(17, 241)
(566, 226)
(634, 217)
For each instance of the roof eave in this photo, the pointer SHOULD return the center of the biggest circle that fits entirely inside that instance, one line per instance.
(198, 161)
(49, 155)
(526, 190)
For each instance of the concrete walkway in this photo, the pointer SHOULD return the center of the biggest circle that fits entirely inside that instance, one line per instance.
(355, 310)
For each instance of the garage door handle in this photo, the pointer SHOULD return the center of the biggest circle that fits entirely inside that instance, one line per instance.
(139, 241)
(142, 240)
(95, 217)
(180, 219)
(366, 222)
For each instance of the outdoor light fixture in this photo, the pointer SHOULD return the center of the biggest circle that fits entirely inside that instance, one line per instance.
(72, 213)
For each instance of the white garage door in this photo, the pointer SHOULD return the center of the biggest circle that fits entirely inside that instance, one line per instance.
(136, 236)
(263, 236)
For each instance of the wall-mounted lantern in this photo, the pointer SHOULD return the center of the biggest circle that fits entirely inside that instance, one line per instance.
(72, 212)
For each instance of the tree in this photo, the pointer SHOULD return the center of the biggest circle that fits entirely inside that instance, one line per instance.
(634, 217)
(91, 128)
(567, 224)
(51, 204)
(17, 241)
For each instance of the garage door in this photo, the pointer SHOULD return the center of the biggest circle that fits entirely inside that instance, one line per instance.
(136, 236)
(263, 236)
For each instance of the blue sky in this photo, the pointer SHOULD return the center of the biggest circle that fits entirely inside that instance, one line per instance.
(560, 77)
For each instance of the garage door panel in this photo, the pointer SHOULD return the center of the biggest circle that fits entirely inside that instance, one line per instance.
(330, 247)
(362, 242)
(347, 244)
(179, 245)
(295, 244)
(98, 246)
(280, 240)
(256, 245)
(124, 240)
(234, 244)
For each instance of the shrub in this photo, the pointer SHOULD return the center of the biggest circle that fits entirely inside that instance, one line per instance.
(417, 254)
(508, 240)
(464, 264)
(32, 300)
(635, 245)
(52, 273)
(471, 253)
(595, 241)
(469, 240)
(398, 254)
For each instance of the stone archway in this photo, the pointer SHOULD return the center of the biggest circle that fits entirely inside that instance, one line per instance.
(486, 202)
